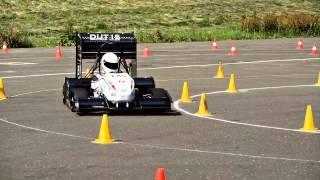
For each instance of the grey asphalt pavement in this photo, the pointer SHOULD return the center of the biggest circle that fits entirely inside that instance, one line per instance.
(252, 134)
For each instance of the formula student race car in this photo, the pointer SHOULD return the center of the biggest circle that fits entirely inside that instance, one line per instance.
(112, 83)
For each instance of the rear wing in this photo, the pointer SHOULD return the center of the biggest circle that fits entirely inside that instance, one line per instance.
(124, 45)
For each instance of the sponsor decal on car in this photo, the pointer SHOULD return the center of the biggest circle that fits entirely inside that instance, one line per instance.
(110, 37)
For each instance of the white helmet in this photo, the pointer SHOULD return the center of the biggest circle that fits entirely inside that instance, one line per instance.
(109, 62)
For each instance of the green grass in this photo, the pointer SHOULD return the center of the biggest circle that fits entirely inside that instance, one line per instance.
(48, 22)
(207, 34)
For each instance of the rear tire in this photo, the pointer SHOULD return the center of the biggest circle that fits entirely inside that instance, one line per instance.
(64, 90)
(73, 90)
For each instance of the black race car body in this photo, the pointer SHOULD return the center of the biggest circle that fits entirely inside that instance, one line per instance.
(77, 92)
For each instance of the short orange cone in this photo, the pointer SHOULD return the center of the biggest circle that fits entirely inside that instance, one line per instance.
(314, 50)
(214, 46)
(146, 52)
(232, 85)
(160, 174)
(185, 97)
(203, 106)
(308, 121)
(233, 51)
(299, 45)
(220, 72)
(104, 134)
(58, 52)
(2, 92)
(5, 49)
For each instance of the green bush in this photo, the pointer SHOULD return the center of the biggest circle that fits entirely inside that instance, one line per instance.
(67, 40)
(269, 23)
(292, 23)
(14, 38)
(250, 24)
(67, 37)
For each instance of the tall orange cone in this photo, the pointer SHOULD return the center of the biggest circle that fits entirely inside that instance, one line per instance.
(314, 50)
(299, 45)
(214, 46)
(203, 106)
(232, 85)
(185, 97)
(233, 51)
(58, 52)
(160, 174)
(2, 92)
(5, 49)
(220, 72)
(146, 52)
(308, 121)
(318, 81)
(104, 134)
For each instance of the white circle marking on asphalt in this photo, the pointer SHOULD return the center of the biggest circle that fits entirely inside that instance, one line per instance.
(177, 102)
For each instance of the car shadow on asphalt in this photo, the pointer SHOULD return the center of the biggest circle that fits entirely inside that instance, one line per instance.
(132, 113)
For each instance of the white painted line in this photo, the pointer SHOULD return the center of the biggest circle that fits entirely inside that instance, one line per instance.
(16, 63)
(7, 71)
(210, 54)
(38, 129)
(35, 75)
(223, 153)
(42, 130)
(33, 92)
(155, 146)
(166, 80)
(239, 77)
(27, 58)
(235, 63)
(206, 49)
(173, 67)
(165, 147)
(176, 105)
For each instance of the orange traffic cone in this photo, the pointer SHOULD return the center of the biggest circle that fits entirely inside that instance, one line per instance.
(146, 52)
(214, 46)
(160, 175)
(299, 45)
(233, 51)
(58, 52)
(314, 50)
(5, 47)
